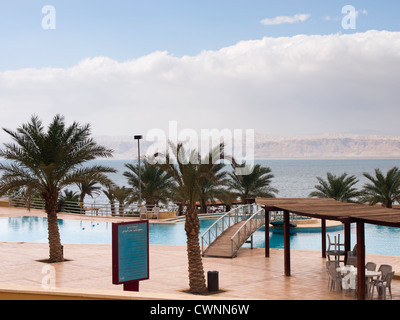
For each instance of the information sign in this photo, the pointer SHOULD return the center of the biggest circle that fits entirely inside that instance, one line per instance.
(130, 252)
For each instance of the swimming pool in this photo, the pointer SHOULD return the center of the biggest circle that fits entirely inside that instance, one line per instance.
(34, 229)
(378, 239)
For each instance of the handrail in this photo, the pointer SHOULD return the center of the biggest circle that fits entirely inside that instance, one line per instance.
(223, 223)
(94, 208)
(279, 217)
(255, 222)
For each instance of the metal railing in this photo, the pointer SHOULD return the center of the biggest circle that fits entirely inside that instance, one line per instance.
(94, 209)
(225, 222)
(278, 216)
(255, 222)
(33, 203)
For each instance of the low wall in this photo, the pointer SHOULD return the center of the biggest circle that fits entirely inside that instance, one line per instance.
(4, 203)
(162, 215)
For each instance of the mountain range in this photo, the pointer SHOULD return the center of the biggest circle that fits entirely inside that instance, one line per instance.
(328, 146)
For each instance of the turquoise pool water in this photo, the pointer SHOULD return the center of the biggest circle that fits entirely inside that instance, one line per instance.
(379, 240)
(34, 229)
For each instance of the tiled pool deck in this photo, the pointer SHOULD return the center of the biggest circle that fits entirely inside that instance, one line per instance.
(249, 276)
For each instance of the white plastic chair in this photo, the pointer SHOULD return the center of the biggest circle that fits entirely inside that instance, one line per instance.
(143, 212)
(155, 211)
(337, 252)
(384, 284)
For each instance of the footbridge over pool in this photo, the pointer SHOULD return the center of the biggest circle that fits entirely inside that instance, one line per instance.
(228, 234)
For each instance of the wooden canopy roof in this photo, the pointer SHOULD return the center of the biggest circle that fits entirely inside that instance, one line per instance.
(331, 209)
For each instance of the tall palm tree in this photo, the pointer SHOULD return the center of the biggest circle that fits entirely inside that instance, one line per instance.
(384, 189)
(254, 183)
(189, 173)
(47, 161)
(156, 184)
(339, 188)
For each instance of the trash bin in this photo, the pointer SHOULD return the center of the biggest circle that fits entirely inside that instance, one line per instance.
(212, 280)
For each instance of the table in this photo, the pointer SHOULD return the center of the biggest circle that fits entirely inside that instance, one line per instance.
(350, 275)
(339, 255)
(352, 269)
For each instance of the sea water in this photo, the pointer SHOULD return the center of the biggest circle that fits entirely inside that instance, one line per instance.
(293, 178)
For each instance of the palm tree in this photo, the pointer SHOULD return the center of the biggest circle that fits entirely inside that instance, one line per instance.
(45, 162)
(89, 188)
(255, 182)
(68, 202)
(109, 192)
(212, 192)
(156, 184)
(124, 197)
(189, 173)
(382, 189)
(338, 188)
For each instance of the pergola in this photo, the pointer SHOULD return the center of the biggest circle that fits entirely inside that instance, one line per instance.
(330, 209)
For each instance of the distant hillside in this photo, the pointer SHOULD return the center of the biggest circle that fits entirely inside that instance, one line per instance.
(273, 147)
(327, 147)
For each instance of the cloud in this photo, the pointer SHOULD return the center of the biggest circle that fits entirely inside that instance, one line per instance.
(306, 84)
(286, 19)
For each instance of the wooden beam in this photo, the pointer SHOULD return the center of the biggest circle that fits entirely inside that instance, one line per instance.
(360, 261)
(286, 235)
(323, 237)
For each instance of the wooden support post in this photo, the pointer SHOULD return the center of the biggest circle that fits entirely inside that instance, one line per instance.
(323, 237)
(266, 233)
(360, 261)
(286, 226)
(347, 239)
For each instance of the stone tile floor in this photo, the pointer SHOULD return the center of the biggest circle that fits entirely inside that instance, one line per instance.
(249, 276)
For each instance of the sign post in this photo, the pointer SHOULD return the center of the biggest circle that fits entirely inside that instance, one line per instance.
(130, 253)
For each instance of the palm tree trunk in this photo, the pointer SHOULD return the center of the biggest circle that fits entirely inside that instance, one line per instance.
(112, 208)
(55, 247)
(197, 281)
(203, 206)
(121, 209)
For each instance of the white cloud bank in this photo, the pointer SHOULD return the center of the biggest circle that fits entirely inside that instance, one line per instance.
(285, 19)
(282, 86)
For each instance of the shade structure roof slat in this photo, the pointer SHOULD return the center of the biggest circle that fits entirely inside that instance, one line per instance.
(331, 209)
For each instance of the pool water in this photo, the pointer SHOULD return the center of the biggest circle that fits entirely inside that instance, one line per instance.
(34, 229)
(378, 239)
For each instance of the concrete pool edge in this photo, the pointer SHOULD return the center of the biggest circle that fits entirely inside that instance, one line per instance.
(17, 212)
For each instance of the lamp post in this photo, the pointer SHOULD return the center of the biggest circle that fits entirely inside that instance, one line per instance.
(138, 138)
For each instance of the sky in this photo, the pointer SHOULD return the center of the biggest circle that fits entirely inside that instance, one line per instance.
(280, 68)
